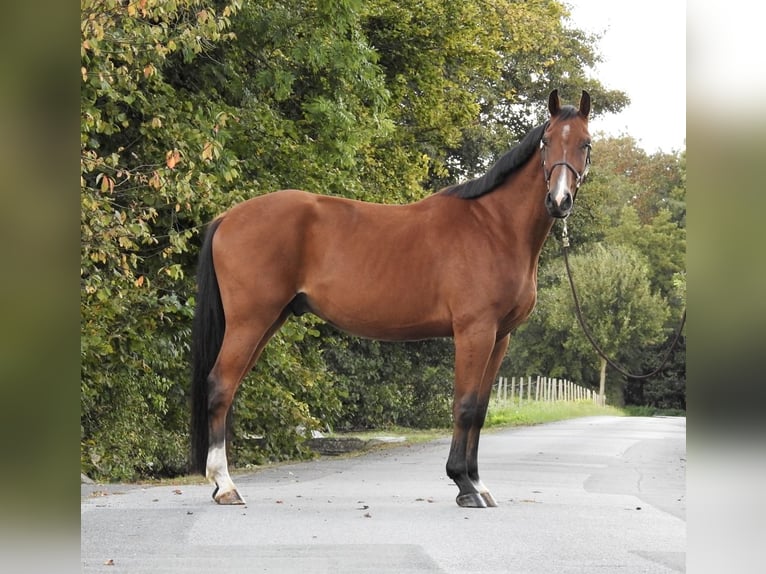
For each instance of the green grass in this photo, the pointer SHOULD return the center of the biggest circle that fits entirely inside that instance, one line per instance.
(502, 414)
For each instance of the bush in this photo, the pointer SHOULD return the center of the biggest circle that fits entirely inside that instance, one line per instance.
(388, 384)
(288, 394)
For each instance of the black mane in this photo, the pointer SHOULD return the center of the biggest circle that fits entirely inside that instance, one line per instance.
(512, 160)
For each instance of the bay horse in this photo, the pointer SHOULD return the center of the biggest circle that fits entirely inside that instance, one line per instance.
(461, 263)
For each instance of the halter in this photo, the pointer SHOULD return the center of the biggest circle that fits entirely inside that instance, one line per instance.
(579, 177)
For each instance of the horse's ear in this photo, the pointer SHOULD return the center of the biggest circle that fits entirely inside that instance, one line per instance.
(554, 105)
(584, 104)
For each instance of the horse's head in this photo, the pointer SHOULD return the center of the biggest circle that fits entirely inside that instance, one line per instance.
(565, 150)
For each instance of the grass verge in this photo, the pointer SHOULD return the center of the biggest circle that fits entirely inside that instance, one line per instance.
(503, 414)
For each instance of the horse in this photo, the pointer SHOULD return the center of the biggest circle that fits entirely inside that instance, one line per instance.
(460, 263)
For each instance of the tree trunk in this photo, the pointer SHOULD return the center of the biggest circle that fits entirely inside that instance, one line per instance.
(602, 381)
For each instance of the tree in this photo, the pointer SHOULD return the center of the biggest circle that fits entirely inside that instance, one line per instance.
(153, 166)
(622, 313)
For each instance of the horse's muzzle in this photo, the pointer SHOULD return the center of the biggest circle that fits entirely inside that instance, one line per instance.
(559, 209)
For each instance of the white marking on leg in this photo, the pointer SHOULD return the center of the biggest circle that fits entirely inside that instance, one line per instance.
(217, 469)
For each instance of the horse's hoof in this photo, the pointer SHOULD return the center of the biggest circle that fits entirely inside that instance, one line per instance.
(215, 491)
(471, 500)
(489, 499)
(230, 497)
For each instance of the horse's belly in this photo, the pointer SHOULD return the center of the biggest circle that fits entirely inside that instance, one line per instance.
(389, 318)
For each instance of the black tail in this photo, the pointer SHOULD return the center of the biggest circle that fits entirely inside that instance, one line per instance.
(207, 336)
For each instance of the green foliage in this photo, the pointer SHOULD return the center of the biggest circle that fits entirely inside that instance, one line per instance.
(287, 395)
(615, 296)
(649, 411)
(153, 168)
(392, 384)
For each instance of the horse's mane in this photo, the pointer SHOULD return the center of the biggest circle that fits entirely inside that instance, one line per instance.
(510, 161)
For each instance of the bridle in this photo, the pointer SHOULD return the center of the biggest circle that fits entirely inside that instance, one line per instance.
(547, 172)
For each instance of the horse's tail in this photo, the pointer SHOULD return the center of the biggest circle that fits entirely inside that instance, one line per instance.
(207, 335)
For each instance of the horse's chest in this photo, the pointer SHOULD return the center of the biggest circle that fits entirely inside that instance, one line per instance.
(518, 309)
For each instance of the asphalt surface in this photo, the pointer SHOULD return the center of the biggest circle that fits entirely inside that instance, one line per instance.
(597, 494)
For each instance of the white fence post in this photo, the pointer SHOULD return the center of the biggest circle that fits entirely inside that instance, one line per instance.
(546, 389)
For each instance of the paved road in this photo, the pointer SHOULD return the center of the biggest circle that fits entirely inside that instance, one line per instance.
(598, 494)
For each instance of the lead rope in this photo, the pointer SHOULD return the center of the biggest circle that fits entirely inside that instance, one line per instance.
(578, 312)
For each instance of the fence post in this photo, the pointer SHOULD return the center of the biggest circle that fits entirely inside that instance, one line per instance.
(529, 389)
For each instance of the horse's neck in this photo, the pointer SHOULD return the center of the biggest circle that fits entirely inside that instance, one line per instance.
(519, 206)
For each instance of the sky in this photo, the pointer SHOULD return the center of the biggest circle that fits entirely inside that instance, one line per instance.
(643, 47)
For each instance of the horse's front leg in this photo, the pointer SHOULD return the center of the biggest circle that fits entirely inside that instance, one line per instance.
(472, 456)
(477, 359)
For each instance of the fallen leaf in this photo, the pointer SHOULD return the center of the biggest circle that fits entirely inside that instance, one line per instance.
(109, 562)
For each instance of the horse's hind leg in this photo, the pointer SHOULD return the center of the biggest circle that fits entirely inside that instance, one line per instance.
(241, 347)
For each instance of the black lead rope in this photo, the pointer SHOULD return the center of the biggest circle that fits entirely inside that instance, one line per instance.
(578, 312)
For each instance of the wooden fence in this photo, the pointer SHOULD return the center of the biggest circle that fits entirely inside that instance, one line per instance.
(543, 389)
